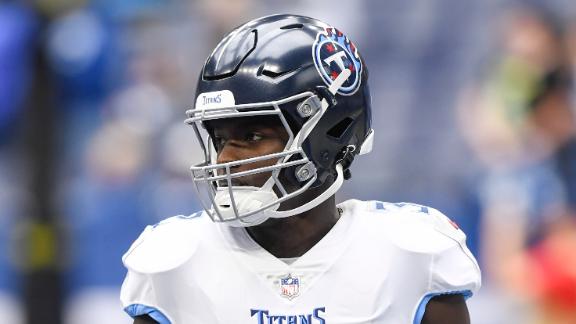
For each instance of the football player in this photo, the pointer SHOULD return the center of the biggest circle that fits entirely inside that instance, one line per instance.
(282, 109)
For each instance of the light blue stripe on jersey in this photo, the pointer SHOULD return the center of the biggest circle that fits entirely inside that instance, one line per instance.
(139, 309)
(422, 307)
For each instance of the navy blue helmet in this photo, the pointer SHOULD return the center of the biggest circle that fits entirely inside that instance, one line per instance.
(308, 75)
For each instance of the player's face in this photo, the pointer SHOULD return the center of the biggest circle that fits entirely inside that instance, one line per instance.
(243, 138)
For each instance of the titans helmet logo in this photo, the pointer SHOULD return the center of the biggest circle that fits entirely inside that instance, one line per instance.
(333, 52)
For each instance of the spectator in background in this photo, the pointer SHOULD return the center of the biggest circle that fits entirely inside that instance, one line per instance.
(550, 265)
(17, 31)
(17, 40)
(520, 124)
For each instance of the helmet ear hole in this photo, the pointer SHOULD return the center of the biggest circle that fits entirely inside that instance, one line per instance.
(338, 130)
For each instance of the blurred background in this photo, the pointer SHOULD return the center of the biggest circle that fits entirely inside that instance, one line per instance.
(473, 105)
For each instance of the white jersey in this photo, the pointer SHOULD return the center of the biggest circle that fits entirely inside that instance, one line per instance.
(380, 263)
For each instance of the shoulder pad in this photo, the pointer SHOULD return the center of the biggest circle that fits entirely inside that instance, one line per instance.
(419, 228)
(166, 245)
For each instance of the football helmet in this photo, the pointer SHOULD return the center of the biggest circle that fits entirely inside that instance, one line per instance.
(312, 78)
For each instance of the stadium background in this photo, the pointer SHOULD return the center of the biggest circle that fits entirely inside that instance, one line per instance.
(472, 108)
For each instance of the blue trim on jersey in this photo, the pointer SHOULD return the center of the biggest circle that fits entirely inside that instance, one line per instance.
(422, 306)
(139, 309)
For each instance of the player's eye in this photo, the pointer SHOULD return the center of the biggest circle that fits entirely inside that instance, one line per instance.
(253, 137)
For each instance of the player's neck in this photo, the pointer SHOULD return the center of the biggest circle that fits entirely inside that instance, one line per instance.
(293, 236)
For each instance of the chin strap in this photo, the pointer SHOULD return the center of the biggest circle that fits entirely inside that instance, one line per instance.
(316, 201)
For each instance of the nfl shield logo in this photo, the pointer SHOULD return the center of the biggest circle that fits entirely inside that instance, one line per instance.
(289, 286)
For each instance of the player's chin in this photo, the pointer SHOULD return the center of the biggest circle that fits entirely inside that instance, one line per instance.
(303, 198)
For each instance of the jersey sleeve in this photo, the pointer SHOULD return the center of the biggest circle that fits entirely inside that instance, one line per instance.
(453, 269)
(137, 296)
(422, 230)
(137, 292)
(158, 251)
